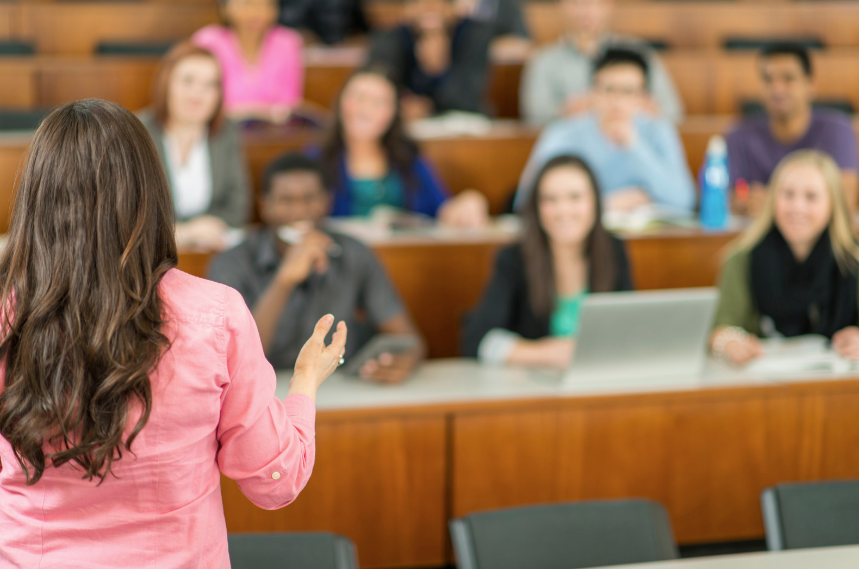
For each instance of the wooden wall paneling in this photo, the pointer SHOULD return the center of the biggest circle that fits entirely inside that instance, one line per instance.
(489, 164)
(684, 260)
(18, 88)
(11, 160)
(76, 28)
(504, 89)
(839, 436)
(705, 456)
(718, 464)
(439, 284)
(558, 454)
(127, 81)
(10, 21)
(706, 24)
(695, 132)
(379, 481)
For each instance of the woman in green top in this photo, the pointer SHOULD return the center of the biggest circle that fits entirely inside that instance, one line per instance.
(529, 313)
(794, 271)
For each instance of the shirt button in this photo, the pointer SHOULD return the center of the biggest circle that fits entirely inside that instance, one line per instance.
(275, 475)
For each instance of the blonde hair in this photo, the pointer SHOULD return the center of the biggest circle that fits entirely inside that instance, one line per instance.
(844, 246)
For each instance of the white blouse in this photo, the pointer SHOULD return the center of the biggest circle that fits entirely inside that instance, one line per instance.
(190, 181)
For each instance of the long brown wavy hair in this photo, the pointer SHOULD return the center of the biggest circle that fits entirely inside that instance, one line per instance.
(537, 252)
(91, 237)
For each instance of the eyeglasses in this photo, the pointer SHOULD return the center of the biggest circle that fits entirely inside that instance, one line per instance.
(614, 91)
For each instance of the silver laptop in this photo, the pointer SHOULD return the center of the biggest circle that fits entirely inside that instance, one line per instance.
(632, 336)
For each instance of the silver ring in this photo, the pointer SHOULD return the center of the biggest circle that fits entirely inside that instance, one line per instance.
(342, 360)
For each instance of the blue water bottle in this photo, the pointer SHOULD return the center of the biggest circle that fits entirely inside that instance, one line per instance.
(714, 186)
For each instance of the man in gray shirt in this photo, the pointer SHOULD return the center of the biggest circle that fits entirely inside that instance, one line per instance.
(556, 82)
(290, 285)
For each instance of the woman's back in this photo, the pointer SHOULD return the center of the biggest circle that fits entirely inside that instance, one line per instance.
(163, 507)
(127, 386)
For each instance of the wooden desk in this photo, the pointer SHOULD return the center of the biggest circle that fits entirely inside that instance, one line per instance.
(819, 558)
(395, 463)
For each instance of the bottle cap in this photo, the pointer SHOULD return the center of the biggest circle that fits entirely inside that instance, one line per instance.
(717, 146)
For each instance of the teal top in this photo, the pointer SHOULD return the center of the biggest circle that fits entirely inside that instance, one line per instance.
(368, 193)
(567, 315)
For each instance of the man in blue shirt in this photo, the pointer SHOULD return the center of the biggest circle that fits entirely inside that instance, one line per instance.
(637, 158)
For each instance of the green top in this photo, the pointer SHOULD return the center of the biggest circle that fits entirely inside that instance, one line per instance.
(566, 318)
(736, 305)
(368, 193)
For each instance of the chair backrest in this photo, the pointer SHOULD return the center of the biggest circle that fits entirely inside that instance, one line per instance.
(146, 49)
(15, 119)
(819, 514)
(569, 535)
(16, 47)
(308, 550)
(757, 44)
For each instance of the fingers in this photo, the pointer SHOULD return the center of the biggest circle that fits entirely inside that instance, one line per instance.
(338, 341)
(388, 368)
(321, 329)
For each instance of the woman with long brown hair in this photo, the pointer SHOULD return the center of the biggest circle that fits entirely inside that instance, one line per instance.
(529, 314)
(371, 161)
(126, 386)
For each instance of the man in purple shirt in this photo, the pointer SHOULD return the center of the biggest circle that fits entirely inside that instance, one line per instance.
(757, 145)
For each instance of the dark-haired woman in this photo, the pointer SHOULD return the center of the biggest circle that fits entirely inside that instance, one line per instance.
(371, 161)
(127, 387)
(201, 150)
(529, 314)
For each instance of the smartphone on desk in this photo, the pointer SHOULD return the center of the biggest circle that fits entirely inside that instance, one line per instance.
(394, 344)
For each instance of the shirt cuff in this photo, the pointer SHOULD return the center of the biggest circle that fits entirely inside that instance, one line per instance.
(301, 411)
(496, 346)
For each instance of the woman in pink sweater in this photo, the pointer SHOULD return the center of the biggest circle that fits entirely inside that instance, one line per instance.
(127, 386)
(262, 62)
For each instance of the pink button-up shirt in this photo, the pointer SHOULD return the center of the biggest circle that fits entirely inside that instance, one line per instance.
(276, 78)
(213, 411)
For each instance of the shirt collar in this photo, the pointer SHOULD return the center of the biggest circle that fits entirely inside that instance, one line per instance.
(267, 254)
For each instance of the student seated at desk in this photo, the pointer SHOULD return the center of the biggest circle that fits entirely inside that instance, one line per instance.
(794, 271)
(757, 145)
(290, 285)
(440, 59)
(370, 161)
(556, 82)
(261, 61)
(529, 314)
(200, 149)
(332, 21)
(637, 158)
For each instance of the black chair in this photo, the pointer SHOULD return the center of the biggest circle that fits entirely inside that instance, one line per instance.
(14, 119)
(759, 43)
(751, 108)
(15, 48)
(564, 536)
(132, 49)
(818, 514)
(308, 550)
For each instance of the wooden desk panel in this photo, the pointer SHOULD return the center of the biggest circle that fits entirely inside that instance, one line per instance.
(18, 89)
(127, 81)
(76, 29)
(706, 457)
(381, 482)
(439, 285)
(681, 260)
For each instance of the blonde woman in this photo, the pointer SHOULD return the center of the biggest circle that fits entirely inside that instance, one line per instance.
(795, 270)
